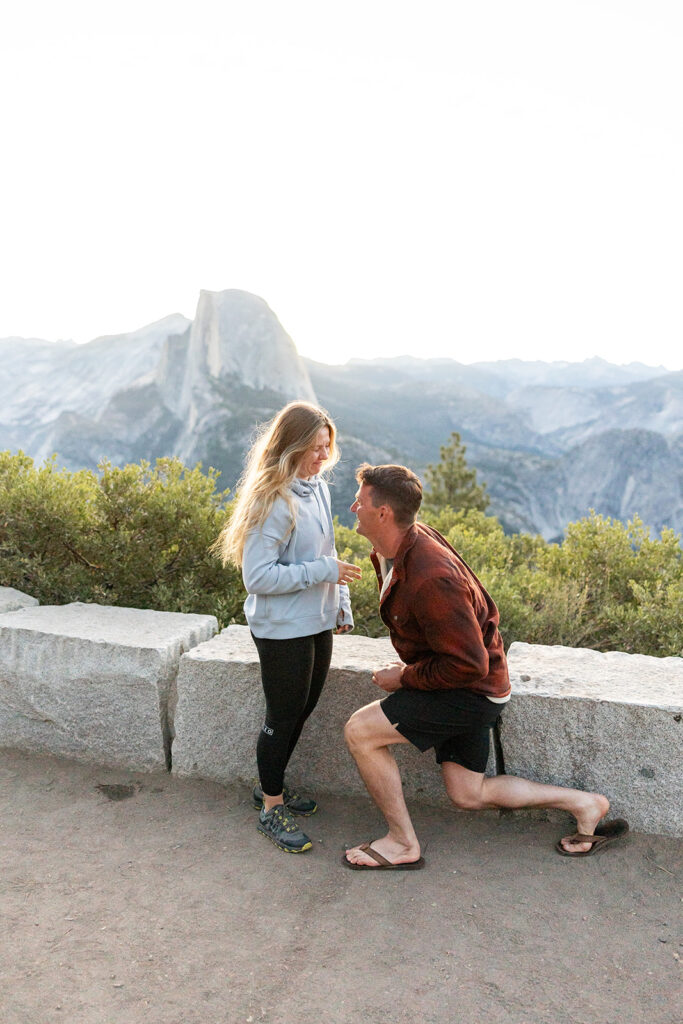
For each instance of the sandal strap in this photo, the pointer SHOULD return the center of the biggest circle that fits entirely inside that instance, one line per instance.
(366, 848)
(578, 837)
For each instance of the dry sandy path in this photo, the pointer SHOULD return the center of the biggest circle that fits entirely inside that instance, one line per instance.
(169, 908)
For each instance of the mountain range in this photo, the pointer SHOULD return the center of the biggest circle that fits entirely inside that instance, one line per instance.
(550, 439)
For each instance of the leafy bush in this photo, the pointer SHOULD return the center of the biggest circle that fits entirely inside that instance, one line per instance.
(139, 536)
(136, 536)
(632, 583)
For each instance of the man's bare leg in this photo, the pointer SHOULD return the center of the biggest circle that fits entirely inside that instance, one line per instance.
(472, 791)
(368, 734)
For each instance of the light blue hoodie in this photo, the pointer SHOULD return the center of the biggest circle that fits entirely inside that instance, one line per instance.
(292, 582)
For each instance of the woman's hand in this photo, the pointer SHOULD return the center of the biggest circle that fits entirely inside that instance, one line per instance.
(347, 572)
(342, 625)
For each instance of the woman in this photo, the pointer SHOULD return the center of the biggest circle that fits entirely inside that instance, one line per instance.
(281, 534)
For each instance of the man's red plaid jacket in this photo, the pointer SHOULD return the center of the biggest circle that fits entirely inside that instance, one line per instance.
(442, 622)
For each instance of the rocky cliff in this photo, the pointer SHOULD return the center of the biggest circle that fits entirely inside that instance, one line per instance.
(240, 365)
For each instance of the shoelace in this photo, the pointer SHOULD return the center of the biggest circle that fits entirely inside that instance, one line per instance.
(284, 820)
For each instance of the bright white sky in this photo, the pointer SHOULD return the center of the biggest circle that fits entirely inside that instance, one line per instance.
(481, 180)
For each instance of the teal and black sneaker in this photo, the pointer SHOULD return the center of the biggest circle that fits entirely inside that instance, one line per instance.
(302, 805)
(279, 827)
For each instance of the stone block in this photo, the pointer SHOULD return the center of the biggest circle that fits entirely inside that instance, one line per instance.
(220, 711)
(605, 722)
(12, 600)
(93, 682)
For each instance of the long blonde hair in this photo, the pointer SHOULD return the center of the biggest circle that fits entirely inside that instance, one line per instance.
(270, 466)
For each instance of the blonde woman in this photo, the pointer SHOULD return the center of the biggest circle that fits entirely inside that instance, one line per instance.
(281, 534)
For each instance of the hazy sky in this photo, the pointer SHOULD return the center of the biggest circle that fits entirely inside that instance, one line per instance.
(474, 179)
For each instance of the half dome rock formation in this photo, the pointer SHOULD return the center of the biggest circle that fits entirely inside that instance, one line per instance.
(236, 335)
(241, 367)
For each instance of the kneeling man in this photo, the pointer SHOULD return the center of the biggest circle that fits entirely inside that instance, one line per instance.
(449, 687)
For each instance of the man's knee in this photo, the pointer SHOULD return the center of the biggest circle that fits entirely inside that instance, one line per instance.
(354, 732)
(364, 728)
(466, 800)
(465, 792)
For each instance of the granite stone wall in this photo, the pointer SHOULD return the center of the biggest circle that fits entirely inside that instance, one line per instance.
(150, 690)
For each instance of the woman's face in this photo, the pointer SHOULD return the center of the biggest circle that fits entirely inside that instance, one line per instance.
(315, 458)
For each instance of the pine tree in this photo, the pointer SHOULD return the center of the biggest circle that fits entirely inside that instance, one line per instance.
(452, 483)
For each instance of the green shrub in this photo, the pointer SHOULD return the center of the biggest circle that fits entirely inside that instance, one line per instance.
(139, 536)
(136, 536)
(632, 583)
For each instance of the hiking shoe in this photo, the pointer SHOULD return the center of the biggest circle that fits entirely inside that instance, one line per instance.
(278, 826)
(302, 805)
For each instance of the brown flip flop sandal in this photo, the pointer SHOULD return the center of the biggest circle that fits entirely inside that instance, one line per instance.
(382, 863)
(604, 834)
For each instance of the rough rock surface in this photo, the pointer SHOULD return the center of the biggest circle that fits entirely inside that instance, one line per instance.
(12, 600)
(220, 711)
(93, 682)
(605, 722)
(240, 368)
(236, 334)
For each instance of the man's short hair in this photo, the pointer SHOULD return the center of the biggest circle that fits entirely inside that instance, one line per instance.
(395, 486)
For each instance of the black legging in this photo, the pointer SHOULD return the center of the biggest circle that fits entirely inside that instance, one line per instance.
(293, 673)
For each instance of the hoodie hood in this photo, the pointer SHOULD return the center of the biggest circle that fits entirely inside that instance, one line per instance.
(312, 488)
(304, 488)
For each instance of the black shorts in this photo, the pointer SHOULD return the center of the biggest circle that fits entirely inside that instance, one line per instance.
(457, 723)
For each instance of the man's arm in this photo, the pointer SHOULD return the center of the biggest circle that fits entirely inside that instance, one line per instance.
(443, 607)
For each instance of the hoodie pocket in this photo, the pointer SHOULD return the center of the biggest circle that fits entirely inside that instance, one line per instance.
(314, 602)
(285, 607)
(262, 609)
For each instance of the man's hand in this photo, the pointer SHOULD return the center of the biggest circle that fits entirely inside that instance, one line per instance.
(389, 677)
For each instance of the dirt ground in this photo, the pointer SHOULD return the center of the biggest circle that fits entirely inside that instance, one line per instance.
(167, 907)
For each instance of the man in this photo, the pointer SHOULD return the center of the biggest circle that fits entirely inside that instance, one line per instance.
(449, 687)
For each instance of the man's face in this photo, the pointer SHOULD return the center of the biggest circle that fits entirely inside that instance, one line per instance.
(367, 515)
